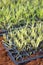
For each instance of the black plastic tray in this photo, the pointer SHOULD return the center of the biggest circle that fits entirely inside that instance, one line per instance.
(18, 58)
(3, 31)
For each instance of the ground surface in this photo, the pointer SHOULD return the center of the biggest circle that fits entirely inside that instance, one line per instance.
(5, 60)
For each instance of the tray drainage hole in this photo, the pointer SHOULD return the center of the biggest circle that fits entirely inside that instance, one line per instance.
(23, 55)
(14, 53)
(18, 58)
(11, 50)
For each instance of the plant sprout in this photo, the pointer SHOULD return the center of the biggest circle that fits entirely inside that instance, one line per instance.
(23, 19)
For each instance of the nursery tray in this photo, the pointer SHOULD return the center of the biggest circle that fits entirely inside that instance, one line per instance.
(20, 58)
(2, 32)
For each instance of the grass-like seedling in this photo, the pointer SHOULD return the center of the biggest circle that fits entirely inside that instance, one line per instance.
(13, 11)
(27, 37)
(23, 19)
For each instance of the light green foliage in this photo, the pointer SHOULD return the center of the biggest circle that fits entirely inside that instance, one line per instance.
(40, 13)
(13, 10)
(28, 16)
(26, 36)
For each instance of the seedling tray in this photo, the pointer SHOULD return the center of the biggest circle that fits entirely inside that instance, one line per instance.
(20, 58)
(2, 31)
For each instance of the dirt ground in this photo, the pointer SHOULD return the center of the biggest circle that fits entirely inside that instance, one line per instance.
(5, 60)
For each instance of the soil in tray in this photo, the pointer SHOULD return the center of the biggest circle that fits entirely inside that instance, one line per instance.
(5, 60)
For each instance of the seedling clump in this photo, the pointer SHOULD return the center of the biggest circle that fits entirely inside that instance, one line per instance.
(23, 19)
